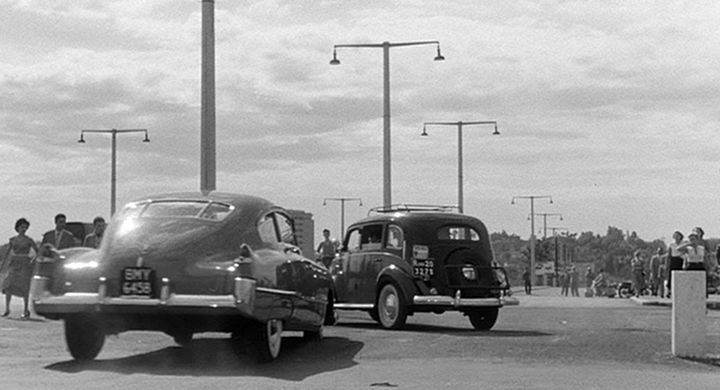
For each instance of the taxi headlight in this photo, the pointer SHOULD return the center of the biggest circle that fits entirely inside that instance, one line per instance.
(468, 272)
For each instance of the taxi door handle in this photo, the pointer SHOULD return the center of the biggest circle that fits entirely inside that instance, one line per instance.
(378, 260)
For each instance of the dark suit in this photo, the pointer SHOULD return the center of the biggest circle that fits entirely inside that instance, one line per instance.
(65, 239)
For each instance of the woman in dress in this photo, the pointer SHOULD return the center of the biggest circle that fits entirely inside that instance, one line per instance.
(20, 267)
(675, 258)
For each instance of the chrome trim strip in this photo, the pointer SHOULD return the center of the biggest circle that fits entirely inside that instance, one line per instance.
(276, 291)
(353, 306)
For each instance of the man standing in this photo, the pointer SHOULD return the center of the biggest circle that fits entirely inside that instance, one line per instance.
(574, 281)
(638, 272)
(327, 249)
(93, 239)
(655, 278)
(526, 280)
(60, 238)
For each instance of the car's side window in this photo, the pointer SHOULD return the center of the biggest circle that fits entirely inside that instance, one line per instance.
(371, 237)
(285, 226)
(395, 237)
(353, 241)
(266, 229)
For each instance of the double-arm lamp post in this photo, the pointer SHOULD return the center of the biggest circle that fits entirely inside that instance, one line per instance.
(387, 186)
(113, 170)
(342, 210)
(532, 229)
(554, 233)
(545, 215)
(460, 148)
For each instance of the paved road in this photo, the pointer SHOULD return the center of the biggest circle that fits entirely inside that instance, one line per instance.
(549, 342)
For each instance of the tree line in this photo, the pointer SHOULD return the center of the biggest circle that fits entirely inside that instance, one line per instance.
(611, 252)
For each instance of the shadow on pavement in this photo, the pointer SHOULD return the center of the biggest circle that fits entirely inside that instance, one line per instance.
(219, 357)
(710, 361)
(464, 332)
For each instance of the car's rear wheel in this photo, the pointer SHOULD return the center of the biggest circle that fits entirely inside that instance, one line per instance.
(391, 307)
(84, 337)
(266, 339)
(483, 319)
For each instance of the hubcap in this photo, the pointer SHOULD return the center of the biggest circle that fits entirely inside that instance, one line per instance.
(390, 304)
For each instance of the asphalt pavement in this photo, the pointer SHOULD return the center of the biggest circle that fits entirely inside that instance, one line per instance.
(545, 296)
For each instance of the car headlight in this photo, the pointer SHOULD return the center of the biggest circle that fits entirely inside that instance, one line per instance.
(468, 272)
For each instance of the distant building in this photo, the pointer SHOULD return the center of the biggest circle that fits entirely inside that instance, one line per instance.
(304, 231)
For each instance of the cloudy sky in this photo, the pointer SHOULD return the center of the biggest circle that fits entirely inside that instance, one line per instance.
(610, 107)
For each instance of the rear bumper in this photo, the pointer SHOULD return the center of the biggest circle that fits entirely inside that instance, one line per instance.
(244, 301)
(457, 302)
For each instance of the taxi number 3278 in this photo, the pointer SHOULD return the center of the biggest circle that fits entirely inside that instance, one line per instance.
(424, 268)
(137, 281)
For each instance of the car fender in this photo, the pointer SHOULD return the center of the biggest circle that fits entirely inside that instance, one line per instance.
(400, 277)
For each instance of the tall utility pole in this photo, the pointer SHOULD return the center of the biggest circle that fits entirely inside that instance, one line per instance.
(532, 229)
(385, 46)
(545, 215)
(460, 149)
(207, 99)
(342, 210)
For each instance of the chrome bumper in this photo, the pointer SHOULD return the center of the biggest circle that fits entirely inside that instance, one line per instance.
(459, 302)
(242, 300)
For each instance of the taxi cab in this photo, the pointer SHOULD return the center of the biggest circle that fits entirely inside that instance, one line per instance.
(406, 259)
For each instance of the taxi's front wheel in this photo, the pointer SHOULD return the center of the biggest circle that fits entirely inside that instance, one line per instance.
(391, 307)
(483, 319)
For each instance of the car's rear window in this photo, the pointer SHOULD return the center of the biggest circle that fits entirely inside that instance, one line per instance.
(453, 232)
(185, 209)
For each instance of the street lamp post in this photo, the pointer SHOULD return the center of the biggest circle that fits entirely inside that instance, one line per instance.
(113, 158)
(545, 215)
(460, 148)
(342, 210)
(387, 186)
(532, 229)
(554, 232)
(207, 99)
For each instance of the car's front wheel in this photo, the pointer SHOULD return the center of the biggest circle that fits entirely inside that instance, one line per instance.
(84, 337)
(265, 340)
(391, 307)
(483, 319)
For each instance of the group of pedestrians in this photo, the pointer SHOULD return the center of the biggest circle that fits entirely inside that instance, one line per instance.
(569, 280)
(655, 275)
(18, 261)
(690, 255)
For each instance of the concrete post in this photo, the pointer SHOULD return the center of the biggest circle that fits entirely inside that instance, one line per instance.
(689, 309)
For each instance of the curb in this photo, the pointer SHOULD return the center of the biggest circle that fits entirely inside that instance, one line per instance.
(711, 304)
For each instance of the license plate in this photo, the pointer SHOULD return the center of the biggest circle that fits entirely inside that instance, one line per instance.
(424, 269)
(138, 282)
